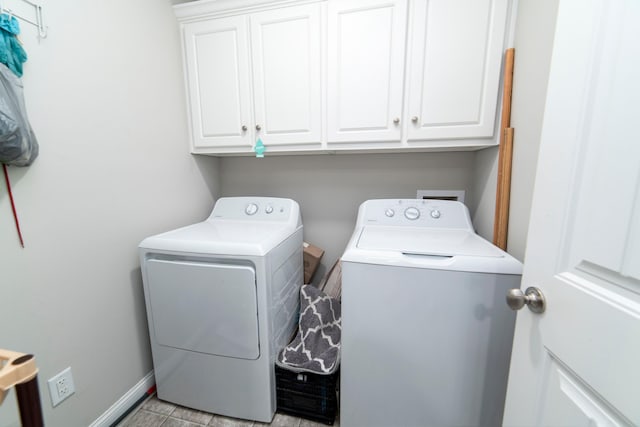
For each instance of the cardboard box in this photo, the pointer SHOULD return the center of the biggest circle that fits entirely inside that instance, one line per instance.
(311, 256)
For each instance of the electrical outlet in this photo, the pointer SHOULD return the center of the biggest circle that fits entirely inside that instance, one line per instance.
(61, 386)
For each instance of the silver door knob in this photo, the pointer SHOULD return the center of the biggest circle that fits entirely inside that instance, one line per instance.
(414, 119)
(532, 298)
(244, 128)
(258, 127)
(396, 120)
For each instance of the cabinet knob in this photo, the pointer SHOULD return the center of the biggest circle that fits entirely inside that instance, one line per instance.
(258, 127)
(396, 120)
(244, 128)
(414, 119)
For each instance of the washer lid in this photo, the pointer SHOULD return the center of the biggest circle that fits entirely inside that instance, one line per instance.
(228, 237)
(426, 241)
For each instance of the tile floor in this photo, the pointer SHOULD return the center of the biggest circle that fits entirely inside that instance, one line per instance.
(157, 413)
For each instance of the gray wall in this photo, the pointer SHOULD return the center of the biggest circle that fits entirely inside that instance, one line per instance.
(533, 39)
(485, 178)
(533, 44)
(105, 97)
(329, 188)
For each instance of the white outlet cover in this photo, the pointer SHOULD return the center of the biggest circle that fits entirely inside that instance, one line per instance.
(61, 386)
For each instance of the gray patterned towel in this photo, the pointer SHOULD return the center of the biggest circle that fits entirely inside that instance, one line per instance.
(316, 347)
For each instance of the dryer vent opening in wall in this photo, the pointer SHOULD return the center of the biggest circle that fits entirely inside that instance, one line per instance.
(455, 195)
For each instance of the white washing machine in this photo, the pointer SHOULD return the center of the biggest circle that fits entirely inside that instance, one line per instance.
(222, 299)
(426, 332)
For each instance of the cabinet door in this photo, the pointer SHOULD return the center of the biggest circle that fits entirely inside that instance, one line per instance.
(286, 75)
(366, 41)
(217, 67)
(454, 68)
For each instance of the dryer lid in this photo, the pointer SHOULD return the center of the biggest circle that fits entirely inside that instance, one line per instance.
(426, 241)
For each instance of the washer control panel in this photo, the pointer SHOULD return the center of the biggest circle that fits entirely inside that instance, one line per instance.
(416, 213)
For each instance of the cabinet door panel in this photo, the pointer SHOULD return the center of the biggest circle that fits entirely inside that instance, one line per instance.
(365, 65)
(286, 70)
(456, 52)
(218, 81)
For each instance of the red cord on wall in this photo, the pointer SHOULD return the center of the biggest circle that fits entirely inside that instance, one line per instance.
(13, 205)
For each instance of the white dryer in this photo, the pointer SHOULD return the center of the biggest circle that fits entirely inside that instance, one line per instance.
(222, 299)
(426, 332)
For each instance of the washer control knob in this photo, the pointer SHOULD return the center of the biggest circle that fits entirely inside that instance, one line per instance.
(389, 212)
(268, 209)
(251, 209)
(412, 213)
(435, 214)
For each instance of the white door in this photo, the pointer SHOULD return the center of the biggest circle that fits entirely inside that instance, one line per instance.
(454, 68)
(217, 58)
(366, 42)
(578, 363)
(286, 68)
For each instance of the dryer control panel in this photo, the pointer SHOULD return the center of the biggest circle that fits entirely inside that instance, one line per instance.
(415, 213)
(256, 209)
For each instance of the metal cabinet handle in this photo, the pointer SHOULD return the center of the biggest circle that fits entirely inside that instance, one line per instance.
(244, 128)
(414, 119)
(258, 127)
(532, 298)
(396, 120)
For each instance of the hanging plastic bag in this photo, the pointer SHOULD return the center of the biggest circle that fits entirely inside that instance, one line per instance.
(18, 144)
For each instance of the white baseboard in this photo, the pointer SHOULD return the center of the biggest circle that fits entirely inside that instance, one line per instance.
(125, 402)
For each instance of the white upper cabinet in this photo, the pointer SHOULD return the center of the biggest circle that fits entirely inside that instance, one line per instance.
(286, 75)
(280, 102)
(218, 83)
(454, 63)
(342, 75)
(366, 46)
